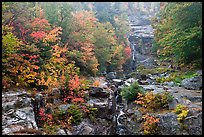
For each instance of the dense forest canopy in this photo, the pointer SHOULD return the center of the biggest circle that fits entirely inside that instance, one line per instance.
(42, 41)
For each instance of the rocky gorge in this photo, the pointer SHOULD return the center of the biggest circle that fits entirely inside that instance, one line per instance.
(115, 115)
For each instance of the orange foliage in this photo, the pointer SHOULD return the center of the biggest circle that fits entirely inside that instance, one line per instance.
(74, 83)
(150, 125)
(53, 36)
(96, 83)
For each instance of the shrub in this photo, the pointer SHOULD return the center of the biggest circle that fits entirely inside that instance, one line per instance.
(182, 112)
(89, 111)
(151, 102)
(177, 77)
(130, 92)
(150, 125)
(96, 83)
(75, 113)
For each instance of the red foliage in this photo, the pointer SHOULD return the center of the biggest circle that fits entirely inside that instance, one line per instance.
(74, 83)
(127, 51)
(70, 97)
(80, 100)
(40, 24)
(45, 117)
(38, 35)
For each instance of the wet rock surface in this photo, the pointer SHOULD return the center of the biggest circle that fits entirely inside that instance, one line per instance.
(17, 112)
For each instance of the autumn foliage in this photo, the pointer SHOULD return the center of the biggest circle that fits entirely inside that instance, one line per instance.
(150, 125)
(127, 51)
(37, 53)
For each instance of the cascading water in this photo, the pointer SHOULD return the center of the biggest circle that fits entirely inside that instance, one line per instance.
(120, 116)
(133, 63)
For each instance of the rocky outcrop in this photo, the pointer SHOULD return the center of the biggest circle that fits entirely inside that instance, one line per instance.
(194, 83)
(84, 128)
(17, 112)
(111, 75)
(194, 124)
(98, 92)
(169, 125)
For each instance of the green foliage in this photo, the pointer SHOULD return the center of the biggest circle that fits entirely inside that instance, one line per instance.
(75, 113)
(9, 41)
(91, 113)
(178, 34)
(157, 70)
(177, 77)
(182, 112)
(130, 92)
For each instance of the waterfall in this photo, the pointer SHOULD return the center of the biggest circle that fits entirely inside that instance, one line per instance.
(133, 63)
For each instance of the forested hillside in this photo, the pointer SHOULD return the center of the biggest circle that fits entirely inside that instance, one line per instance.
(45, 42)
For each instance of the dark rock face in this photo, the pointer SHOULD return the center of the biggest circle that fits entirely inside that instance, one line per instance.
(102, 105)
(100, 127)
(194, 83)
(99, 92)
(17, 112)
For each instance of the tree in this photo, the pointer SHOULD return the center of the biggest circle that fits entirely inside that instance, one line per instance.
(83, 25)
(179, 31)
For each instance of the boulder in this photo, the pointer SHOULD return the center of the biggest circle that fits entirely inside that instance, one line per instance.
(169, 125)
(194, 124)
(99, 92)
(63, 108)
(103, 105)
(194, 83)
(117, 82)
(143, 82)
(199, 72)
(169, 84)
(60, 132)
(84, 128)
(154, 88)
(111, 75)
